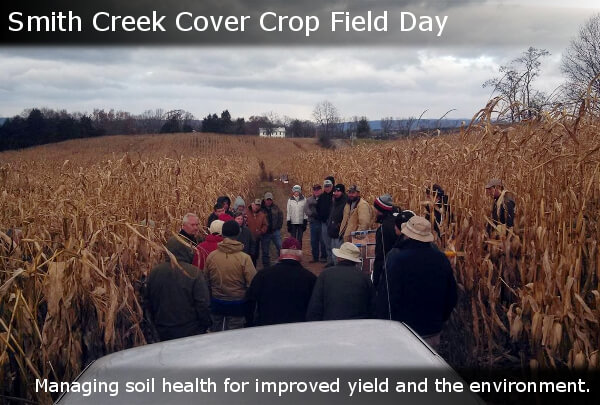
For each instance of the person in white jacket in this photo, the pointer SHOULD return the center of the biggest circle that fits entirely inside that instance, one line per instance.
(296, 217)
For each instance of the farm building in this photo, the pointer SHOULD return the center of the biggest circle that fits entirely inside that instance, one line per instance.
(278, 132)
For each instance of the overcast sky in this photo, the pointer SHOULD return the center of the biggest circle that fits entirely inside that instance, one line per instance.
(399, 75)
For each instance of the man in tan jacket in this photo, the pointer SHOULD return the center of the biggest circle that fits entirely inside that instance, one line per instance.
(357, 214)
(229, 272)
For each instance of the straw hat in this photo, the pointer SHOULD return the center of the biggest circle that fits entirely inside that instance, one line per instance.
(418, 228)
(347, 251)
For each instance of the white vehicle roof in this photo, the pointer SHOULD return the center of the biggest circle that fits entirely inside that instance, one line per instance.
(298, 349)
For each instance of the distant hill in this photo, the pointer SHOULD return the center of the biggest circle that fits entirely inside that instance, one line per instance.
(2, 120)
(375, 125)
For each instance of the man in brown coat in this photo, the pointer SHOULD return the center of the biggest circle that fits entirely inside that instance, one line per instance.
(178, 295)
(229, 272)
(257, 223)
(357, 214)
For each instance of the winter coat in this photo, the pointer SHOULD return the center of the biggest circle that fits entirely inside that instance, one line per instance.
(385, 239)
(178, 295)
(280, 294)
(245, 237)
(422, 288)
(203, 250)
(295, 210)
(336, 216)
(341, 292)
(310, 209)
(193, 241)
(356, 217)
(257, 223)
(274, 217)
(229, 271)
(324, 206)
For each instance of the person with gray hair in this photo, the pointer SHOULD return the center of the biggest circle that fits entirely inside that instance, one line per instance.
(190, 225)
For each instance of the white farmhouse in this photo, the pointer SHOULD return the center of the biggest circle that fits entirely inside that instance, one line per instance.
(278, 132)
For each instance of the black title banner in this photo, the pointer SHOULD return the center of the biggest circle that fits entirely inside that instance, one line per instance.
(230, 22)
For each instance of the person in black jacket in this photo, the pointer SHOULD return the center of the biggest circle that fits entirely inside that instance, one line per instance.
(245, 235)
(342, 291)
(420, 288)
(323, 211)
(178, 294)
(273, 234)
(439, 204)
(385, 237)
(280, 294)
(340, 198)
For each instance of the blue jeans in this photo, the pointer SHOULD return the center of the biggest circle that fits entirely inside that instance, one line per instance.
(266, 239)
(326, 241)
(316, 242)
(335, 244)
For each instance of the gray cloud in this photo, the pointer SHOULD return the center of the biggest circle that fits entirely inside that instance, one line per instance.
(390, 79)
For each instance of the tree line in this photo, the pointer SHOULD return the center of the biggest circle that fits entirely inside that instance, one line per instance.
(38, 126)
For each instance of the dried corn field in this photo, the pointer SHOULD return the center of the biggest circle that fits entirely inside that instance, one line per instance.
(530, 296)
(90, 218)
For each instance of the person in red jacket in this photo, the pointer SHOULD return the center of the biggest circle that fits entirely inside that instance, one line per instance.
(210, 243)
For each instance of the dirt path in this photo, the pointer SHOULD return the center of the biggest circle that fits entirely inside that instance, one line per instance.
(281, 193)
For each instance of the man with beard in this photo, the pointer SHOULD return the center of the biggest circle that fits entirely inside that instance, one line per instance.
(356, 216)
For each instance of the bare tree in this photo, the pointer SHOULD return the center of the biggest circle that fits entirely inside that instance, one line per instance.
(387, 126)
(515, 84)
(581, 62)
(327, 118)
(272, 121)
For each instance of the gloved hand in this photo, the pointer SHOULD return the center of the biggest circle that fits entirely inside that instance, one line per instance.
(289, 226)
(304, 225)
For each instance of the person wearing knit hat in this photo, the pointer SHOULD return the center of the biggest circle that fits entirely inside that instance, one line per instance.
(280, 294)
(229, 272)
(239, 204)
(296, 217)
(209, 244)
(384, 203)
(342, 291)
(419, 288)
(385, 236)
(230, 229)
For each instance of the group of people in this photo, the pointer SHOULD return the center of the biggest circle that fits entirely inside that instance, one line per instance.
(214, 285)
